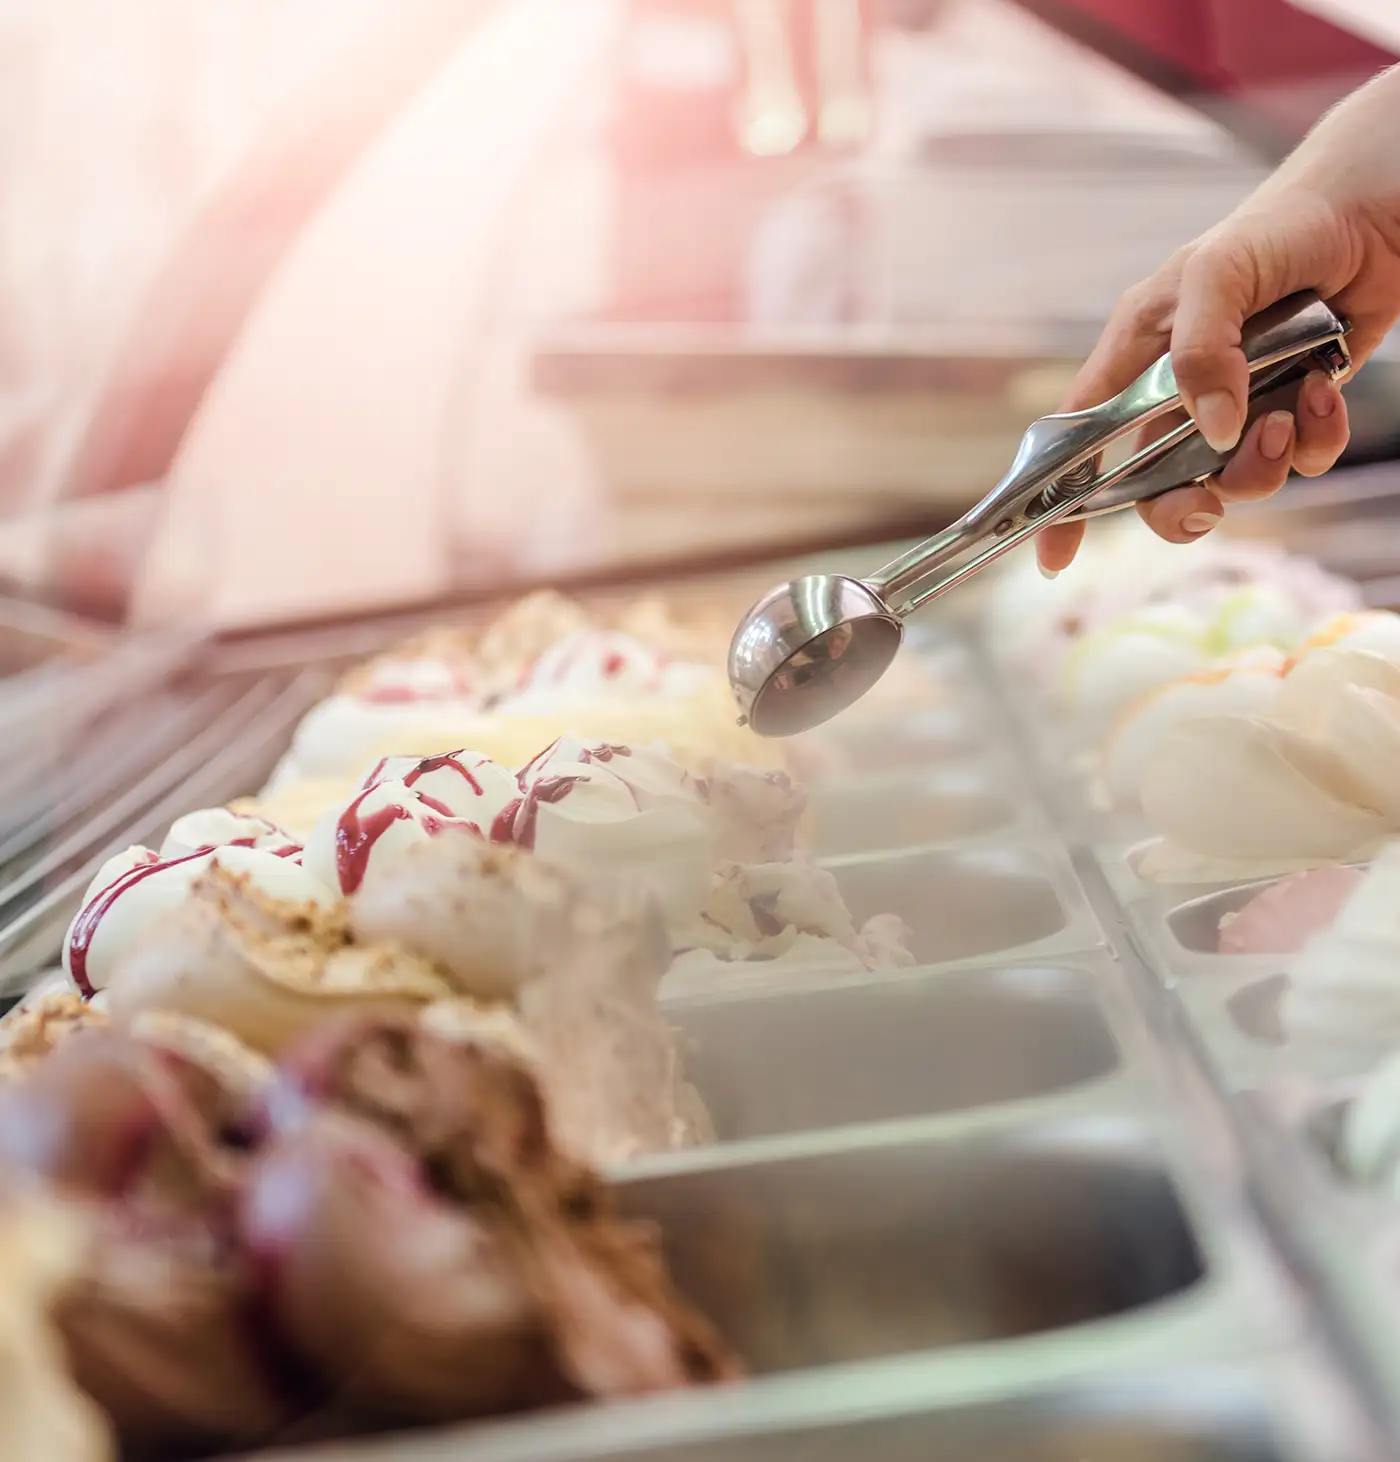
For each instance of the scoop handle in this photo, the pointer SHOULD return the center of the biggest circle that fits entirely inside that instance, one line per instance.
(1057, 474)
(1195, 459)
(1282, 345)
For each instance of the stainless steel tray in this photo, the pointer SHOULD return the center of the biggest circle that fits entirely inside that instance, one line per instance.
(1036, 1199)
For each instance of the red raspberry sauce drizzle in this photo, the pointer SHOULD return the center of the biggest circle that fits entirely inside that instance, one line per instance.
(515, 822)
(85, 926)
(355, 837)
(604, 751)
(432, 764)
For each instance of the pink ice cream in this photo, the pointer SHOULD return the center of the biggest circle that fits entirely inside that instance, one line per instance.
(1284, 916)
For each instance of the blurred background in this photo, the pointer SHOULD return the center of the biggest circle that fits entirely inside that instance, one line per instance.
(319, 306)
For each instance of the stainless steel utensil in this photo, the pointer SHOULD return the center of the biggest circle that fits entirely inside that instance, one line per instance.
(811, 647)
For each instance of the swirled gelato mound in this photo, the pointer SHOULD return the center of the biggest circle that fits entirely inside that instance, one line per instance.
(1247, 685)
(534, 903)
(1315, 779)
(544, 906)
(133, 889)
(717, 853)
(570, 966)
(1376, 631)
(402, 801)
(587, 806)
(1139, 613)
(543, 671)
(262, 967)
(380, 1234)
(1343, 995)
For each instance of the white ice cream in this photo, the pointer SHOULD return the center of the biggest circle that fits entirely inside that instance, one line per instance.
(601, 663)
(594, 809)
(1315, 779)
(765, 922)
(416, 706)
(629, 813)
(403, 801)
(1134, 613)
(1369, 1147)
(1374, 630)
(1107, 670)
(219, 827)
(138, 886)
(1248, 686)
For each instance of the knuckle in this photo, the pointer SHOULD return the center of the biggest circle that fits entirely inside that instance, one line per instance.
(1224, 254)
(1145, 304)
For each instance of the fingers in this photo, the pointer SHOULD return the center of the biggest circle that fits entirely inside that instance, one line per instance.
(1137, 332)
(1277, 442)
(1219, 289)
(1196, 305)
(1184, 515)
(1057, 545)
(1261, 465)
(1257, 470)
(1323, 429)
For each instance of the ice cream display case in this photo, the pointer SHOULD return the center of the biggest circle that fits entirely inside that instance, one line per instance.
(980, 1091)
(450, 1030)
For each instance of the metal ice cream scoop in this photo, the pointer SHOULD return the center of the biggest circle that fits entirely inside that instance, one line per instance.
(811, 647)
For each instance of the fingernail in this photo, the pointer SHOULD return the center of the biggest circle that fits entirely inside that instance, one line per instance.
(1217, 419)
(1275, 435)
(1197, 523)
(1047, 573)
(1321, 399)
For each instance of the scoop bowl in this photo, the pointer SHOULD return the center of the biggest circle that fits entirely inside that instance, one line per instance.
(808, 649)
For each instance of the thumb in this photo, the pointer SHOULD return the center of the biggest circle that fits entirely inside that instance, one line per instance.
(1220, 289)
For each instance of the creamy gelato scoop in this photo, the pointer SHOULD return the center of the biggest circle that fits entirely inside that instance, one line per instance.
(133, 890)
(379, 1233)
(1313, 779)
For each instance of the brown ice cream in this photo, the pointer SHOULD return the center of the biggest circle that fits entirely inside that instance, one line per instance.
(143, 1141)
(542, 1258)
(383, 1233)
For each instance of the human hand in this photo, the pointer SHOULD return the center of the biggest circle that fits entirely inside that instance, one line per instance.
(1327, 220)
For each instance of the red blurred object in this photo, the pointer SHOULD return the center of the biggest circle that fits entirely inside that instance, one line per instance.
(679, 82)
(1264, 68)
